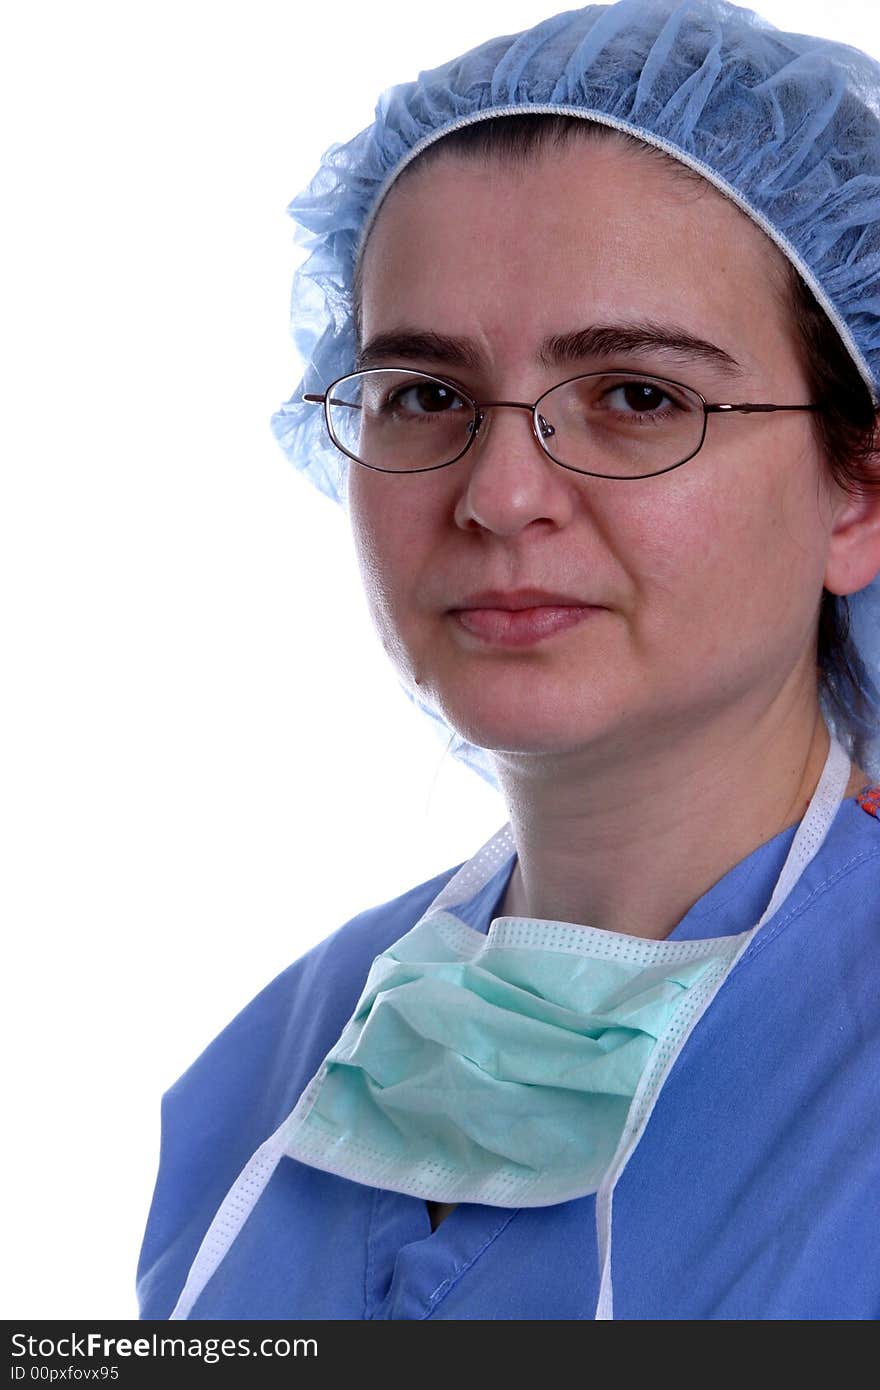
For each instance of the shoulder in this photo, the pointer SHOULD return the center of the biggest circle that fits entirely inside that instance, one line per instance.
(832, 912)
(847, 861)
(250, 1077)
(851, 852)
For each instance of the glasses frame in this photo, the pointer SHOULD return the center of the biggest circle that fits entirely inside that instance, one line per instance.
(480, 407)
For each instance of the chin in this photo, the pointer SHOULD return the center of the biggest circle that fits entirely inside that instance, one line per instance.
(548, 699)
(521, 722)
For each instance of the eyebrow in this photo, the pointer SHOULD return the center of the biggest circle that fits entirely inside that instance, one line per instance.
(600, 340)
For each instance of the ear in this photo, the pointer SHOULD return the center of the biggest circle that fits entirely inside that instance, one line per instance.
(854, 543)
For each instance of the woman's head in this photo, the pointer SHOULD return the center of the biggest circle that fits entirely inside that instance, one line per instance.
(784, 125)
(842, 432)
(706, 580)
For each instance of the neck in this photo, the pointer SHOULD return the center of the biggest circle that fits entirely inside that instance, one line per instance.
(629, 844)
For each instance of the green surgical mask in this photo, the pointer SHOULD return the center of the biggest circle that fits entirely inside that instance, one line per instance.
(499, 1068)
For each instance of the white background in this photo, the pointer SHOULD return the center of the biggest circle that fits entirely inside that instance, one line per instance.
(207, 764)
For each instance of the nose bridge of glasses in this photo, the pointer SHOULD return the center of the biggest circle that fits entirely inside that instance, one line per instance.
(540, 426)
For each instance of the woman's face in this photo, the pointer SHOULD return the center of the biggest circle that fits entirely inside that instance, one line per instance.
(703, 583)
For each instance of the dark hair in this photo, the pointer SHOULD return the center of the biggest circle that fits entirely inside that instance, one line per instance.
(845, 428)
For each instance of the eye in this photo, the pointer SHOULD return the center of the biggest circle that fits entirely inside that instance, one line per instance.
(639, 398)
(425, 398)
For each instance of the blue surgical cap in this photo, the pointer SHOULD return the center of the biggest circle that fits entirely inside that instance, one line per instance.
(785, 125)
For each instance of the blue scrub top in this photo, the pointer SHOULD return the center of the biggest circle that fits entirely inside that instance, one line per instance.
(754, 1193)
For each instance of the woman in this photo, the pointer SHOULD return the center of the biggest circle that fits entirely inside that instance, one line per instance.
(606, 292)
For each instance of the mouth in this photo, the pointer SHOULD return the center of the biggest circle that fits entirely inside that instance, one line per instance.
(519, 618)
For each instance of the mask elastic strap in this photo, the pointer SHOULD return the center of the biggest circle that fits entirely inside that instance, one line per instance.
(604, 1217)
(231, 1215)
(669, 1046)
(810, 834)
(473, 876)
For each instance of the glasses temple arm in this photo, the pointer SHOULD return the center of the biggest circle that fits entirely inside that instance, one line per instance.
(312, 399)
(751, 408)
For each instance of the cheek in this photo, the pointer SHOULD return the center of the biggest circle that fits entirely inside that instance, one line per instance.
(387, 531)
(373, 542)
(728, 550)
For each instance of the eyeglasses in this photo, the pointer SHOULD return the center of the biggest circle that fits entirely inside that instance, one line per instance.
(605, 424)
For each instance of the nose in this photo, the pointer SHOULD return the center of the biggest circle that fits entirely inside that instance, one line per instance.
(509, 481)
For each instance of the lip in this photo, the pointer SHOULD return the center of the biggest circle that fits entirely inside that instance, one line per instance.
(521, 617)
(510, 600)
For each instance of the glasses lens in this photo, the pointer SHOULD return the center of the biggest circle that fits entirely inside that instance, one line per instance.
(399, 421)
(621, 424)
